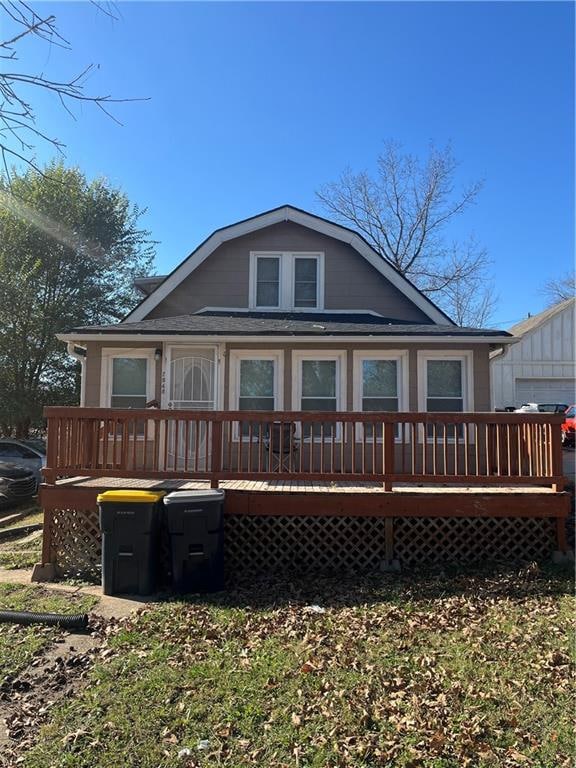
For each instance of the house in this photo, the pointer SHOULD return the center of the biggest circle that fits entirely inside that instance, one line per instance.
(286, 311)
(345, 415)
(540, 368)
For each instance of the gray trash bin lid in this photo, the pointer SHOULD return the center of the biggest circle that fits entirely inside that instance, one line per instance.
(194, 497)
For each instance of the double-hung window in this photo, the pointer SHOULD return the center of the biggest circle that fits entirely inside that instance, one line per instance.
(305, 281)
(286, 280)
(255, 384)
(127, 379)
(319, 385)
(268, 282)
(445, 383)
(129, 382)
(380, 384)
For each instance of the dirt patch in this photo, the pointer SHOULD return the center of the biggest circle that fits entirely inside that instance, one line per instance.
(26, 700)
(59, 671)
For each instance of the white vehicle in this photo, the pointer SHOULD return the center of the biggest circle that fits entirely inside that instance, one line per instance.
(541, 408)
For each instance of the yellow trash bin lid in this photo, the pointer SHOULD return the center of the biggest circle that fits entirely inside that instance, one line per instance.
(131, 497)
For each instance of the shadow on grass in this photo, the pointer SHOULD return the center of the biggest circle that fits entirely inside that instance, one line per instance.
(484, 582)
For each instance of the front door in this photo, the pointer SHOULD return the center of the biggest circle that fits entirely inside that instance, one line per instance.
(191, 386)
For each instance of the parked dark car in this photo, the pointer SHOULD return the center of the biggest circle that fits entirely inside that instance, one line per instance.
(30, 454)
(17, 484)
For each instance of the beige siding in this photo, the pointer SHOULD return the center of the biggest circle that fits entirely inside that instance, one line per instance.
(350, 281)
(481, 374)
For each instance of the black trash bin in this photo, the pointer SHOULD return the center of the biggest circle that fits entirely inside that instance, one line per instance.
(195, 521)
(129, 521)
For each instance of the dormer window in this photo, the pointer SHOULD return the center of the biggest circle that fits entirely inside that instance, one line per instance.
(286, 280)
(268, 281)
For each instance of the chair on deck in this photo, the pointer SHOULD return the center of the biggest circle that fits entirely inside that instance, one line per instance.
(283, 446)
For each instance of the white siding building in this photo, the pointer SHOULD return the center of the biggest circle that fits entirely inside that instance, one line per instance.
(540, 368)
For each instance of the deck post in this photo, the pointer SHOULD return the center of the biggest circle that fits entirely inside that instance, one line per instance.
(561, 535)
(388, 455)
(557, 470)
(216, 453)
(389, 538)
(46, 536)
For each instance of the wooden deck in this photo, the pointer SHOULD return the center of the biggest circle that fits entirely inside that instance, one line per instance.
(321, 498)
(292, 486)
(346, 489)
(303, 525)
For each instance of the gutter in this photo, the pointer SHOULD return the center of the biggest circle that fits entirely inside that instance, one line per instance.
(500, 351)
(79, 340)
(81, 357)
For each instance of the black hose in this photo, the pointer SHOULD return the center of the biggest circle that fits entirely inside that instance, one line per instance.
(78, 621)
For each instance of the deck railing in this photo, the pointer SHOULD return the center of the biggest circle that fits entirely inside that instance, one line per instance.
(436, 448)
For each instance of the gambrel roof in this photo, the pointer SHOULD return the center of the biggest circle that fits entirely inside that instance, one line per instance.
(305, 219)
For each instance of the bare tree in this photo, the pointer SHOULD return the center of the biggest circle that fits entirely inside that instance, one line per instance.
(19, 130)
(402, 211)
(560, 289)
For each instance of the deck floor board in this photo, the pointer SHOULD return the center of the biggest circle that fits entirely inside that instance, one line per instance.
(294, 486)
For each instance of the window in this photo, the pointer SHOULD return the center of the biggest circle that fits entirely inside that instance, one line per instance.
(255, 383)
(127, 378)
(380, 383)
(268, 281)
(305, 282)
(286, 280)
(319, 385)
(445, 383)
(129, 382)
(15, 451)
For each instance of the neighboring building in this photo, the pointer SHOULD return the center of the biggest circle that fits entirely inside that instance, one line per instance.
(540, 367)
(283, 311)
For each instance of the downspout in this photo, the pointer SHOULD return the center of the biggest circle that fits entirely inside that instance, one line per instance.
(81, 357)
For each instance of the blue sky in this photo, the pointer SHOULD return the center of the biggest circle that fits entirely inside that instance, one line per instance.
(252, 105)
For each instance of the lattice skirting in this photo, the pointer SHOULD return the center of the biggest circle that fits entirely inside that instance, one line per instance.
(472, 539)
(75, 543)
(304, 544)
(324, 544)
(328, 544)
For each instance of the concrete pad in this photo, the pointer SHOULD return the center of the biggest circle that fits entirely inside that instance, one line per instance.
(108, 606)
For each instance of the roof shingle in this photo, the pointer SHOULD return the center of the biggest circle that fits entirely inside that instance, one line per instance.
(230, 323)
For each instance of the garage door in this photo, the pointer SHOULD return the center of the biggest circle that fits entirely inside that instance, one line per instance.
(545, 391)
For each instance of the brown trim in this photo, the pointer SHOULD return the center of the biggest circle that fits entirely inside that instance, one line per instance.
(364, 504)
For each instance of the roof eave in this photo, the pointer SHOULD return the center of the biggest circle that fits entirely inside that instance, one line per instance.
(84, 337)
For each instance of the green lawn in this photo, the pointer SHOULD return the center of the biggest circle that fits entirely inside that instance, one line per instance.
(431, 671)
(20, 644)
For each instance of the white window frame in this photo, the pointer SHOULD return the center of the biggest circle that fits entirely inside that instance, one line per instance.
(466, 357)
(254, 256)
(298, 356)
(286, 288)
(400, 357)
(111, 353)
(235, 357)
